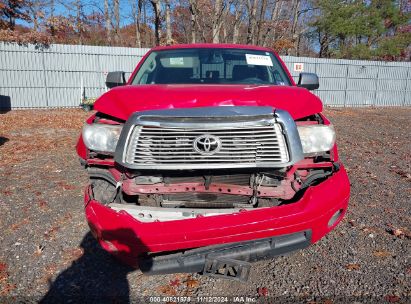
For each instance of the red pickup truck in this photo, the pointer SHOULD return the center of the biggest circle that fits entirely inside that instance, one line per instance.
(208, 158)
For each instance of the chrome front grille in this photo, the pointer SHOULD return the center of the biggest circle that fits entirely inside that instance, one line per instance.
(170, 148)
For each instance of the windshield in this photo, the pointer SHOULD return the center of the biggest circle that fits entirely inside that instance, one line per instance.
(211, 66)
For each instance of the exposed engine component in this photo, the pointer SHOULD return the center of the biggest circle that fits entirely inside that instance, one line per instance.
(191, 190)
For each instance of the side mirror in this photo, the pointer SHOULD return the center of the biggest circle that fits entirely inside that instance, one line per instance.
(115, 79)
(308, 81)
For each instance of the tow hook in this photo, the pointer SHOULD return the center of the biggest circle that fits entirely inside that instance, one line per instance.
(227, 268)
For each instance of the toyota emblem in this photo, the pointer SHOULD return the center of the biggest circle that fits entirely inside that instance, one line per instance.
(207, 144)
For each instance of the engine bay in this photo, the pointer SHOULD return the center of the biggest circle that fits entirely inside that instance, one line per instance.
(176, 195)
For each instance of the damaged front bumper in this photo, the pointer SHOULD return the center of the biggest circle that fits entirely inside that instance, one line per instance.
(243, 234)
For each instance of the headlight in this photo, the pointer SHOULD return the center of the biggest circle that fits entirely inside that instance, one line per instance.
(101, 137)
(316, 138)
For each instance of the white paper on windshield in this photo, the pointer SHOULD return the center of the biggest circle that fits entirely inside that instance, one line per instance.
(177, 61)
(258, 60)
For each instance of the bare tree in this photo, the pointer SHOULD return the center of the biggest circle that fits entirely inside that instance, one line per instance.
(252, 21)
(107, 19)
(52, 8)
(116, 12)
(217, 20)
(238, 8)
(169, 39)
(79, 24)
(260, 22)
(270, 30)
(36, 9)
(295, 13)
(12, 10)
(193, 18)
(50, 25)
(136, 13)
(157, 20)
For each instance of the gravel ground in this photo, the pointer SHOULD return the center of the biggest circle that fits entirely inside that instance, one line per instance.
(46, 249)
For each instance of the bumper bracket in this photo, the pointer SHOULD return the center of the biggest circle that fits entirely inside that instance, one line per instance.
(227, 259)
(227, 269)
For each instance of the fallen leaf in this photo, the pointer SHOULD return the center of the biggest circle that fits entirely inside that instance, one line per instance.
(403, 174)
(392, 298)
(17, 225)
(381, 253)
(351, 267)
(48, 273)
(7, 288)
(51, 232)
(262, 291)
(368, 230)
(175, 282)
(399, 232)
(57, 224)
(3, 267)
(42, 204)
(39, 249)
(3, 272)
(167, 290)
(192, 283)
(66, 186)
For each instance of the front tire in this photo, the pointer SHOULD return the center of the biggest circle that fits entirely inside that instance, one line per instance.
(104, 191)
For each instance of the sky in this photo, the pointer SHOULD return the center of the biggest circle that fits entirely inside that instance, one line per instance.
(66, 8)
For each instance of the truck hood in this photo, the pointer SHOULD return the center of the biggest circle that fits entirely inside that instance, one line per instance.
(123, 101)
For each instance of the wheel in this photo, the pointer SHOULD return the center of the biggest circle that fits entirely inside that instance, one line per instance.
(103, 190)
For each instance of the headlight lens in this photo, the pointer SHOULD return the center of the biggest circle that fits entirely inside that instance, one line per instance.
(101, 137)
(316, 138)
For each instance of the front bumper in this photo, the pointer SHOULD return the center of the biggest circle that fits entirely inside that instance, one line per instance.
(195, 260)
(128, 239)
